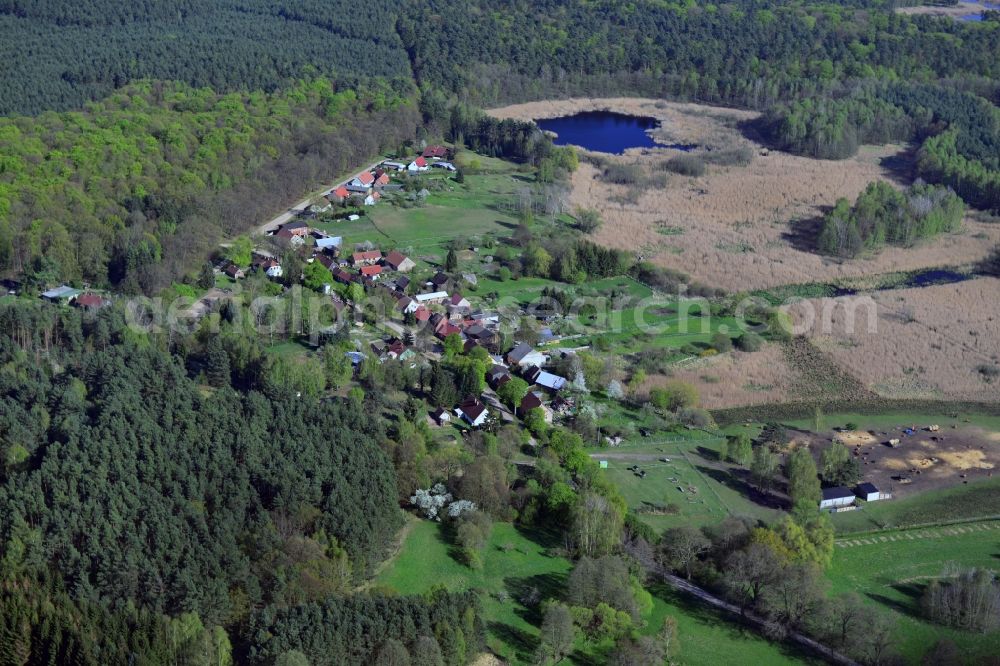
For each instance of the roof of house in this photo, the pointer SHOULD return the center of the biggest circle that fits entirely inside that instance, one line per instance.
(440, 414)
(365, 177)
(90, 301)
(479, 332)
(232, 270)
(472, 407)
(297, 224)
(837, 492)
(329, 241)
(435, 151)
(519, 352)
(370, 255)
(61, 291)
(340, 192)
(867, 488)
(420, 162)
(369, 271)
(439, 279)
(530, 401)
(395, 258)
(402, 282)
(457, 299)
(432, 296)
(422, 314)
(444, 328)
(549, 381)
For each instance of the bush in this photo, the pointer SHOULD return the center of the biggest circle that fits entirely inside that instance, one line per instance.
(722, 342)
(685, 165)
(623, 174)
(749, 342)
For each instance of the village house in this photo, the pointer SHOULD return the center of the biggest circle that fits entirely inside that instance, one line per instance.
(398, 261)
(381, 178)
(458, 305)
(406, 305)
(533, 401)
(472, 411)
(443, 328)
(290, 237)
(331, 243)
(366, 257)
(837, 497)
(370, 271)
(524, 356)
(435, 152)
(372, 199)
(439, 280)
(270, 266)
(234, 271)
(363, 179)
(342, 276)
(401, 283)
(448, 166)
(497, 376)
(535, 375)
(419, 164)
(395, 166)
(90, 302)
(296, 228)
(422, 314)
(339, 194)
(481, 335)
(441, 416)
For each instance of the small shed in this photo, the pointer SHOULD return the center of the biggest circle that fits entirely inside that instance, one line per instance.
(869, 492)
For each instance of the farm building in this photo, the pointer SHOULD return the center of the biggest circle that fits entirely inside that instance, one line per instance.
(432, 297)
(837, 497)
(419, 164)
(869, 492)
(398, 261)
(61, 294)
(524, 356)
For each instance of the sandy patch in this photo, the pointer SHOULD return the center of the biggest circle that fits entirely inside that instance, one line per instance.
(954, 11)
(856, 438)
(737, 227)
(963, 460)
(486, 659)
(928, 342)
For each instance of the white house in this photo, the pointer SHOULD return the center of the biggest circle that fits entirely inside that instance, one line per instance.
(837, 497)
(472, 411)
(523, 355)
(419, 164)
(274, 271)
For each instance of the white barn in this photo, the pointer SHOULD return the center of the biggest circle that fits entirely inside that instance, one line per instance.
(834, 498)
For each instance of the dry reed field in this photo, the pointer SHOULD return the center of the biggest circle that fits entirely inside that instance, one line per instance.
(736, 227)
(930, 342)
(738, 379)
(954, 11)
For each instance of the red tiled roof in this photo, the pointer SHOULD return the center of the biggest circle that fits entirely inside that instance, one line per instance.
(435, 151)
(370, 255)
(369, 271)
(366, 177)
(420, 162)
(89, 301)
(341, 192)
(422, 313)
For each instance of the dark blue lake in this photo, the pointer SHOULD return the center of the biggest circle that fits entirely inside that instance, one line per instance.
(604, 131)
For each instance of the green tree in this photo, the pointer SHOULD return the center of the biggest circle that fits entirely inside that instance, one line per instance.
(513, 391)
(839, 467)
(763, 467)
(451, 260)
(739, 449)
(240, 251)
(803, 481)
(557, 634)
(315, 275)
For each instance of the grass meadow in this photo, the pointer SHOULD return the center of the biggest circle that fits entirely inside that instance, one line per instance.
(892, 569)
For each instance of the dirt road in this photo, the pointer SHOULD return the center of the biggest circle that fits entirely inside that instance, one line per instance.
(285, 217)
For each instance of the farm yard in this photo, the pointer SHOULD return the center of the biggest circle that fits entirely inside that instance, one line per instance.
(739, 227)
(890, 569)
(683, 481)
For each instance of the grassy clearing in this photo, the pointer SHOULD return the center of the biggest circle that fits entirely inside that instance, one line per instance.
(425, 561)
(892, 574)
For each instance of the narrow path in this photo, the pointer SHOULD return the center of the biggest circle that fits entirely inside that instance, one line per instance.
(942, 532)
(644, 557)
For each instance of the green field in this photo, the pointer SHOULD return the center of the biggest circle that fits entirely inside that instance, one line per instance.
(891, 571)
(706, 638)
